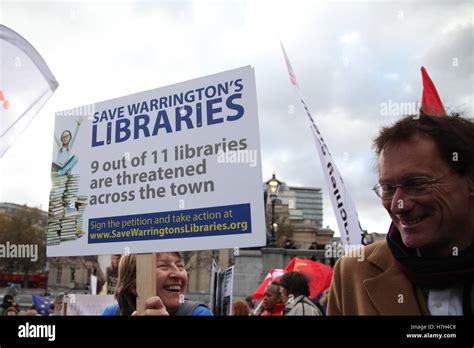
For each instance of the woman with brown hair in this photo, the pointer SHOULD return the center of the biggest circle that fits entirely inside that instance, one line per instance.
(240, 308)
(171, 285)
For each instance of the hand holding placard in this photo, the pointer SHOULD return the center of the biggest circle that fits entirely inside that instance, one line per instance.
(153, 306)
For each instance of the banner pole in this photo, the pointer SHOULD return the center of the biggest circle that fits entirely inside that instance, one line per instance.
(258, 307)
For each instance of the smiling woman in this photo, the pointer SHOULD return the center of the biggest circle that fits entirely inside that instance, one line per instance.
(171, 285)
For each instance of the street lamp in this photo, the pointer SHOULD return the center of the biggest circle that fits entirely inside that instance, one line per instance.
(273, 186)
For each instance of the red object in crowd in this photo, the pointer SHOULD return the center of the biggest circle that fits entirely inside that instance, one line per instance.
(430, 101)
(38, 281)
(279, 307)
(274, 274)
(319, 274)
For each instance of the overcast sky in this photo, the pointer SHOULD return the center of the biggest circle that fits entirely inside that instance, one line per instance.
(349, 58)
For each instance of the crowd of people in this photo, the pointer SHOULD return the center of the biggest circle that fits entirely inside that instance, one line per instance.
(286, 297)
(289, 296)
(11, 308)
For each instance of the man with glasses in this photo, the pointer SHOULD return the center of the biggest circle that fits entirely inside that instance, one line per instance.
(426, 264)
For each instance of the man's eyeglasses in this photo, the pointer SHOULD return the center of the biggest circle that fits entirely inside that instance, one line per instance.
(415, 186)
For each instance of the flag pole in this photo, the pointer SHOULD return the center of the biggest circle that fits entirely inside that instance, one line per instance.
(258, 308)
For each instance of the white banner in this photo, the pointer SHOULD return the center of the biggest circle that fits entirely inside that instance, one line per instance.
(171, 169)
(26, 83)
(344, 208)
(79, 304)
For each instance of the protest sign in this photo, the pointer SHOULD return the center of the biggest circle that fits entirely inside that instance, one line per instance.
(226, 291)
(214, 287)
(174, 168)
(222, 286)
(80, 304)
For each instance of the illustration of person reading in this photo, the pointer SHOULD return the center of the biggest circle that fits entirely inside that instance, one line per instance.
(65, 160)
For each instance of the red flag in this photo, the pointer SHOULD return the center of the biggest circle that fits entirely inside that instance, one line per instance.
(274, 274)
(319, 274)
(430, 101)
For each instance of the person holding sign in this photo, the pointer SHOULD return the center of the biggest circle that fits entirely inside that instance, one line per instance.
(171, 285)
(112, 273)
(426, 184)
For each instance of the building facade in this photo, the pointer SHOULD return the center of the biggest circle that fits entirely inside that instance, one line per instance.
(298, 214)
(73, 273)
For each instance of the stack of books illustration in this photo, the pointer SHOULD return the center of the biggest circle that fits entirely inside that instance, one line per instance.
(66, 209)
(81, 206)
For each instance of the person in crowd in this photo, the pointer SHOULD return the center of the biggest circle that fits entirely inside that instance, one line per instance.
(294, 290)
(58, 305)
(31, 312)
(11, 311)
(321, 301)
(289, 244)
(112, 274)
(426, 264)
(171, 285)
(272, 302)
(240, 308)
(250, 302)
(7, 303)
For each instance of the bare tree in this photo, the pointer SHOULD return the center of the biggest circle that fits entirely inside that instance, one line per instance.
(24, 227)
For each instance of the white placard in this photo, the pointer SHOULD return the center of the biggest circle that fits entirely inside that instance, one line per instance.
(79, 304)
(171, 169)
